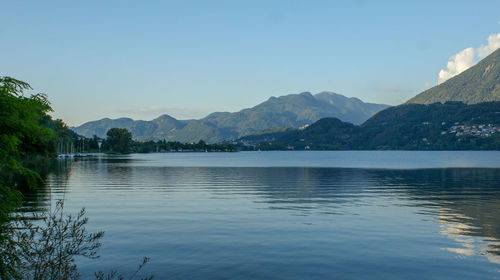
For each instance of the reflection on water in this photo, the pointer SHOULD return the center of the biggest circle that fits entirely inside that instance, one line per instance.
(285, 222)
(467, 203)
(40, 199)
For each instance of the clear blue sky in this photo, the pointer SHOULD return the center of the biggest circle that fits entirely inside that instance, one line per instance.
(186, 58)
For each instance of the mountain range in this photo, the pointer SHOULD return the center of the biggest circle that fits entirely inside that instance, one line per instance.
(448, 126)
(343, 122)
(461, 113)
(293, 110)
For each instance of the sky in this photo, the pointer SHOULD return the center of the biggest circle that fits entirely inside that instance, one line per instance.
(141, 59)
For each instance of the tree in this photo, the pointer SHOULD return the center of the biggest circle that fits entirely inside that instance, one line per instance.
(48, 248)
(119, 140)
(24, 135)
(24, 138)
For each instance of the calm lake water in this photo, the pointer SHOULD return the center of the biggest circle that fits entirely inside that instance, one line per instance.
(289, 215)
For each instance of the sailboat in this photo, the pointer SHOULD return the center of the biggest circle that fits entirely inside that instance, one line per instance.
(82, 151)
(69, 151)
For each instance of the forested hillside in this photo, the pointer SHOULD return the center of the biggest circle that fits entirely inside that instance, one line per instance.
(449, 126)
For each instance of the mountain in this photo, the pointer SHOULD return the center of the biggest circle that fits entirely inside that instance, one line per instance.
(449, 126)
(352, 109)
(460, 113)
(480, 83)
(325, 134)
(268, 135)
(141, 130)
(293, 110)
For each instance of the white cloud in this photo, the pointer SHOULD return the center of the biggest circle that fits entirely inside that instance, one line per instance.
(457, 64)
(468, 57)
(493, 44)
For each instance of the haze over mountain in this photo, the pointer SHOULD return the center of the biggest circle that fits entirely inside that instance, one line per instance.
(293, 110)
(480, 83)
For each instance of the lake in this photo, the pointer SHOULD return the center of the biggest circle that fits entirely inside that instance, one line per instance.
(288, 215)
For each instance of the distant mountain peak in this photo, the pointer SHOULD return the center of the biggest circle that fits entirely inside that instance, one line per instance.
(305, 93)
(328, 93)
(125, 119)
(165, 116)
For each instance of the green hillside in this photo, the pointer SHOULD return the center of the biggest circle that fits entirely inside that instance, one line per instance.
(449, 126)
(268, 135)
(325, 134)
(418, 126)
(480, 83)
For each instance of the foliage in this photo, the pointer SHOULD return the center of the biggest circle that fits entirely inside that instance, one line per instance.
(46, 248)
(24, 135)
(119, 140)
(164, 146)
(405, 127)
(43, 246)
(408, 126)
(325, 134)
(115, 275)
(161, 146)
